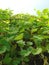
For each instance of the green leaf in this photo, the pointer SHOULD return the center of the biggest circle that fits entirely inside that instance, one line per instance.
(45, 16)
(21, 43)
(37, 51)
(38, 12)
(47, 47)
(27, 52)
(16, 61)
(19, 37)
(29, 43)
(5, 43)
(45, 11)
(38, 39)
(7, 59)
(2, 49)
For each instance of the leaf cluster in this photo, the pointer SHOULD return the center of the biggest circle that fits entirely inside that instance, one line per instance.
(22, 35)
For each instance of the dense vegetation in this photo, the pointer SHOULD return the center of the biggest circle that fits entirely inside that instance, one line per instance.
(24, 38)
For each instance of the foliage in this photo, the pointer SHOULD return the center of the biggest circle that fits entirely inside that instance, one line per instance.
(23, 35)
